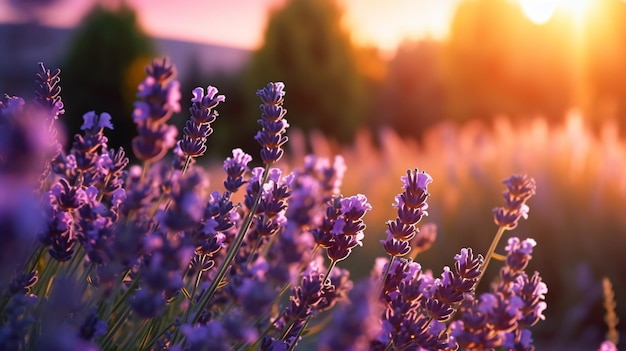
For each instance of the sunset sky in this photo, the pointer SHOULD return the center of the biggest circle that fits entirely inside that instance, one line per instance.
(240, 23)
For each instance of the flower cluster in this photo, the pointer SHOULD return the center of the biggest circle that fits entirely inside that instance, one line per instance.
(411, 205)
(273, 125)
(159, 96)
(198, 127)
(519, 189)
(98, 255)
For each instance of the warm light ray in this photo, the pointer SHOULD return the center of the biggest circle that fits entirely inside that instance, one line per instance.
(539, 11)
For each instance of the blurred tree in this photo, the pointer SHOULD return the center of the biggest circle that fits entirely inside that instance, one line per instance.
(605, 47)
(104, 65)
(414, 90)
(498, 62)
(307, 48)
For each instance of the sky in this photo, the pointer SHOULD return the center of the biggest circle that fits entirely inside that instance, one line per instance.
(240, 23)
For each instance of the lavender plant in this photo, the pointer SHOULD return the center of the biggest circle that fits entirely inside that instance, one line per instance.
(97, 255)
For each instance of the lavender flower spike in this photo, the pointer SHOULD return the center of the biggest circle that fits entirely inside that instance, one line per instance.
(235, 167)
(520, 189)
(411, 205)
(198, 127)
(273, 126)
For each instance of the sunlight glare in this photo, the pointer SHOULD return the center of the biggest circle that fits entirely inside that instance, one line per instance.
(540, 11)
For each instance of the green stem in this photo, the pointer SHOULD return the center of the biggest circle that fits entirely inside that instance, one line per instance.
(490, 253)
(384, 276)
(295, 340)
(122, 299)
(332, 265)
(492, 249)
(231, 253)
(193, 293)
(120, 320)
(157, 336)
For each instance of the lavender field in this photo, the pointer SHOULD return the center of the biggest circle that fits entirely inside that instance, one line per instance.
(478, 237)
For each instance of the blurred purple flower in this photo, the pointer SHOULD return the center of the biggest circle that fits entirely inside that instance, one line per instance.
(92, 121)
(159, 96)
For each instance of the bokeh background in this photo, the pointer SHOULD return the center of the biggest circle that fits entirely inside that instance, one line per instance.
(470, 91)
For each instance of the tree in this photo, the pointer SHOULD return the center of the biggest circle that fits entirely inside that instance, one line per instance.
(497, 62)
(307, 48)
(104, 65)
(413, 91)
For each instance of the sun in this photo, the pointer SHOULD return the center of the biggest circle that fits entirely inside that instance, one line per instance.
(540, 11)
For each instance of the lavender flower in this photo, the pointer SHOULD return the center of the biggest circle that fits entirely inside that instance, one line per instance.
(47, 92)
(48, 99)
(152, 258)
(273, 125)
(519, 189)
(159, 96)
(198, 127)
(607, 346)
(411, 205)
(235, 167)
(343, 227)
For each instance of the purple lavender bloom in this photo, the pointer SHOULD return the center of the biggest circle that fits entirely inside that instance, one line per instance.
(159, 96)
(22, 282)
(411, 205)
(424, 238)
(26, 141)
(519, 189)
(519, 253)
(330, 176)
(356, 323)
(48, 90)
(466, 265)
(92, 327)
(16, 322)
(270, 344)
(94, 122)
(187, 207)
(273, 125)
(343, 228)
(200, 336)
(235, 167)
(198, 127)
(532, 291)
(607, 346)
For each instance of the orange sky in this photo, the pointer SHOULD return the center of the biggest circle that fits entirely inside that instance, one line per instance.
(240, 23)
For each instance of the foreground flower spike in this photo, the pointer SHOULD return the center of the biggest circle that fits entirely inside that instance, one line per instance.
(411, 205)
(159, 96)
(156, 257)
(235, 167)
(342, 229)
(273, 125)
(519, 189)
(47, 92)
(198, 126)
